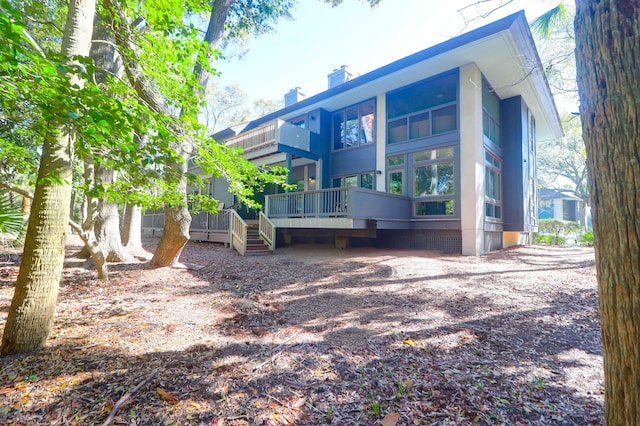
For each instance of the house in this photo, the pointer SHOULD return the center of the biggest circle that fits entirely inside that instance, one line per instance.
(562, 204)
(433, 151)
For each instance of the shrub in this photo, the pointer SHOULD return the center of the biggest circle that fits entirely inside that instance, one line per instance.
(586, 238)
(555, 231)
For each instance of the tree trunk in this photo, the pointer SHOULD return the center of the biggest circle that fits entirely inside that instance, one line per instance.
(106, 224)
(132, 226)
(25, 207)
(177, 220)
(608, 60)
(33, 305)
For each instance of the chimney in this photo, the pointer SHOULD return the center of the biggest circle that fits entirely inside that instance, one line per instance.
(339, 76)
(293, 96)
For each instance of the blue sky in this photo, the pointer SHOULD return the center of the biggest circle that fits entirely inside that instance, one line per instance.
(320, 38)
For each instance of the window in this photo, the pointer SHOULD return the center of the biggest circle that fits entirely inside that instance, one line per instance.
(396, 182)
(435, 208)
(353, 126)
(363, 180)
(422, 124)
(434, 182)
(395, 174)
(423, 109)
(397, 160)
(433, 179)
(492, 186)
(490, 113)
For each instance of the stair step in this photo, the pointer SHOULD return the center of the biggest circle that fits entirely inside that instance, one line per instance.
(257, 252)
(254, 247)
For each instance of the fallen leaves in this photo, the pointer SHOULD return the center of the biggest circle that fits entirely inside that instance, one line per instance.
(384, 342)
(167, 396)
(390, 419)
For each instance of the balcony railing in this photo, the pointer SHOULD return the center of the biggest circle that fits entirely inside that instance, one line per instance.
(271, 134)
(351, 202)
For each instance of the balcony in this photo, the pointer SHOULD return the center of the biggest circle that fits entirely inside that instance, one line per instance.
(348, 208)
(264, 140)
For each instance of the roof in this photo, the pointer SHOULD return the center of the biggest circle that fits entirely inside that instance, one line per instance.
(552, 193)
(504, 51)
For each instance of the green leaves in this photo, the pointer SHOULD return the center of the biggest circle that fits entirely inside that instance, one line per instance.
(11, 218)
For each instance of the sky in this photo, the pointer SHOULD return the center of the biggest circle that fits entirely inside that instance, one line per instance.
(302, 52)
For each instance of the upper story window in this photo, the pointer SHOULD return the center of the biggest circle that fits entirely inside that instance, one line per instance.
(490, 113)
(423, 109)
(353, 126)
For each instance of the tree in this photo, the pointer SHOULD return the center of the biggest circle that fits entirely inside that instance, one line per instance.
(609, 86)
(32, 308)
(564, 161)
(262, 107)
(224, 107)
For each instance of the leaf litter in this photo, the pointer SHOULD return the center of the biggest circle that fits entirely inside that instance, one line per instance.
(313, 335)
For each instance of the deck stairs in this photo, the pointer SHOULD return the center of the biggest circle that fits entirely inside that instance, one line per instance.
(252, 238)
(255, 246)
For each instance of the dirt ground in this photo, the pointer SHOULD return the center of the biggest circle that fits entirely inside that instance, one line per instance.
(314, 335)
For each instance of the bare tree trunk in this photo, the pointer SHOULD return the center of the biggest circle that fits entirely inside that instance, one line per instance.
(132, 226)
(33, 305)
(107, 226)
(608, 60)
(106, 221)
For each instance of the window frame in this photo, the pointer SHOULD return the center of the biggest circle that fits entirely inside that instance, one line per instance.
(362, 110)
(358, 177)
(429, 112)
(449, 199)
(493, 165)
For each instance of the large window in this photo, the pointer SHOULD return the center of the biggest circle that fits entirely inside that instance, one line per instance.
(492, 186)
(434, 182)
(353, 126)
(423, 109)
(422, 124)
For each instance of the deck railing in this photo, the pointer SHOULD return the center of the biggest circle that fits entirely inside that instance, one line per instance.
(267, 230)
(351, 202)
(320, 203)
(272, 133)
(237, 232)
(207, 222)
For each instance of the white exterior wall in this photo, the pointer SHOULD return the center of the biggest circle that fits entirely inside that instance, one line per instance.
(381, 143)
(471, 161)
(558, 212)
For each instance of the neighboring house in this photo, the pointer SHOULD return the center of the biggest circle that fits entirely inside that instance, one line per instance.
(433, 151)
(562, 204)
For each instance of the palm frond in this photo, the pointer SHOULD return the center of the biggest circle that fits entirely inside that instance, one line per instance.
(543, 24)
(11, 218)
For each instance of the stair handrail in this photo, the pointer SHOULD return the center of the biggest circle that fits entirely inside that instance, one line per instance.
(237, 232)
(267, 230)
